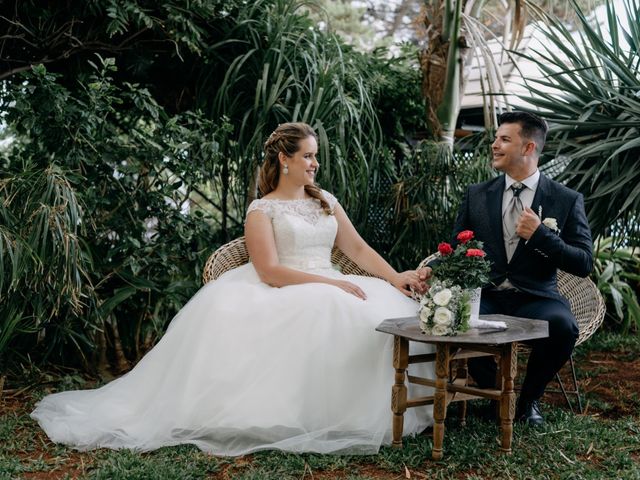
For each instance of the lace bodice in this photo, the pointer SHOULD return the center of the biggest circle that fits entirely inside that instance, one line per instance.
(303, 232)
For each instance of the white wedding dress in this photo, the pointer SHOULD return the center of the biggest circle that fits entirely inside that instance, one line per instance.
(246, 367)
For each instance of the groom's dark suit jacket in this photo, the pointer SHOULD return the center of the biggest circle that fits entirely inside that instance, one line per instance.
(533, 265)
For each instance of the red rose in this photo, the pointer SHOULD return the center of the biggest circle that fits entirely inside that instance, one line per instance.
(444, 248)
(464, 236)
(475, 252)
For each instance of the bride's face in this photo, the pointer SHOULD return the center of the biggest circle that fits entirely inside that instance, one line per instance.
(303, 164)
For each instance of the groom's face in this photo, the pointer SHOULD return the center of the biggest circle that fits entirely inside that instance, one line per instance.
(509, 148)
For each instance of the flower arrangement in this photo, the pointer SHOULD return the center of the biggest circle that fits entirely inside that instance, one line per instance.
(466, 265)
(552, 224)
(444, 309)
(549, 222)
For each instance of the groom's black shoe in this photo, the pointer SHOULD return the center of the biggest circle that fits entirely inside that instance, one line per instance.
(528, 412)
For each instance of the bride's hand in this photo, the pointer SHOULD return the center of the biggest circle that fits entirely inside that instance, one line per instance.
(409, 280)
(349, 287)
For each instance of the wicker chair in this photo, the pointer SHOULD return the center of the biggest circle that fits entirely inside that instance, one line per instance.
(234, 254)
(587, 306)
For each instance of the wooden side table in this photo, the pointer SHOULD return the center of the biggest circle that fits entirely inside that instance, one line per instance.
(473, 343)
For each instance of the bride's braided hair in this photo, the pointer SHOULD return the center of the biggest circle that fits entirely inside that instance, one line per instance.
(286, 139)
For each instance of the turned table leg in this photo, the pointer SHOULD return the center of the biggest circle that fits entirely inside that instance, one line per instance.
(399, 389)
(440, 399)
(462, 377)
(509, 365)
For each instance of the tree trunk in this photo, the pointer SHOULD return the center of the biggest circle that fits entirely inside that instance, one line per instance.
(449, 107)
(444, 60)
(441, 65)
(102, 364)
(433, 64)
(121, 362)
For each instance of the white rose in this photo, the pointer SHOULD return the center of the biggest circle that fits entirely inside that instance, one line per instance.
(440, 330)
(442, 316)
(442, 297)
(425, 313)
(551, 223)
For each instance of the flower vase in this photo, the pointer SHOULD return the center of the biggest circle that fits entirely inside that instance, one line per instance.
(474, 302)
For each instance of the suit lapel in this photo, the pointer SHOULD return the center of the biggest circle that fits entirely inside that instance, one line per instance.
(494, 206)
(539, 196)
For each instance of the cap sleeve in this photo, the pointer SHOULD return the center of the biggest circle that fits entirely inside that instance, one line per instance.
(262, 205)
(331, 200)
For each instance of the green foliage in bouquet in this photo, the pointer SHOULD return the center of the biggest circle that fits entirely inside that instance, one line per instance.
(465, 265)
(444, 310)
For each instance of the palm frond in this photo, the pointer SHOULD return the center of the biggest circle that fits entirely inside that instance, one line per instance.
(589, 91)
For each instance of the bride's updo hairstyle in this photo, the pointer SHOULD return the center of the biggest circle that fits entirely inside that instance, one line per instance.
(286, 139)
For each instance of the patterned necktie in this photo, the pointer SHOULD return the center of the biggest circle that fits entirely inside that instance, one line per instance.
(510, 219)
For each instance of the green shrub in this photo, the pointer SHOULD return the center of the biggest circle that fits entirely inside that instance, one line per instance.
(95, 248)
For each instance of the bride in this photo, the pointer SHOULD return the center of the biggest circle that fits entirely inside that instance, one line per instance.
(280, 353)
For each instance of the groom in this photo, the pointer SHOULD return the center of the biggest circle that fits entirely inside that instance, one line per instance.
(530, 226)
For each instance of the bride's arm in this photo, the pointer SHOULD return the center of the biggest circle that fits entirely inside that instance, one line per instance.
(261, 246)
(353, 245)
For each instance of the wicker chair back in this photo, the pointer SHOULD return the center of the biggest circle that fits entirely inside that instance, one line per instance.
(234, 254)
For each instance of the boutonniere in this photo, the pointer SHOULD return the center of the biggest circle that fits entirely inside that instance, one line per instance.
(549, 222)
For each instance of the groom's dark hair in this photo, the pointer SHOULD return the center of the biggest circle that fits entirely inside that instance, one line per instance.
(533, 127)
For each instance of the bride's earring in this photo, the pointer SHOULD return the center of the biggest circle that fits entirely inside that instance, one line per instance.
(285, 169)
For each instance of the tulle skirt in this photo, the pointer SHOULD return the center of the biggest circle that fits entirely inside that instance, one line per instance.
(246, 367)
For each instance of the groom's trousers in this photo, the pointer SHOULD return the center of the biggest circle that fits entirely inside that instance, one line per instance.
(548, 355)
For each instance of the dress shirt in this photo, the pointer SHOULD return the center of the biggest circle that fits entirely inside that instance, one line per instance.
(531, 182)
(527, 194)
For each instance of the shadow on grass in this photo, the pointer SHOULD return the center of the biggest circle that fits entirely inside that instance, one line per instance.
(602, 444)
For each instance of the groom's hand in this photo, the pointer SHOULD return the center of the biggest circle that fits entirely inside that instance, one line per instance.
(527, 223)
(424, 274)
(409, 280)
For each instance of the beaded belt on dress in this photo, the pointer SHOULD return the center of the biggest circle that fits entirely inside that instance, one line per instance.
(307, 264)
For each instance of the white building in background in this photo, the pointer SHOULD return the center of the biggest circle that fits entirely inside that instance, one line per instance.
(516, 69)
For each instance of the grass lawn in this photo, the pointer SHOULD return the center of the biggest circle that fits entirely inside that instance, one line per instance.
(603, 443)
